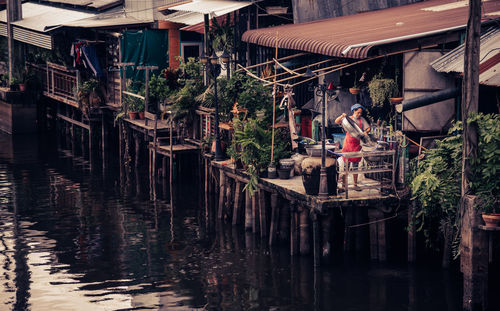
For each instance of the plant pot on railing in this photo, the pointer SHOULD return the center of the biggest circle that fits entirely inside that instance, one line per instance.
(141, 115)
(133, 115)
(491, 219)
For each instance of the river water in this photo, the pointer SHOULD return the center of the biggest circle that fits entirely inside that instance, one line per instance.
(72, 238)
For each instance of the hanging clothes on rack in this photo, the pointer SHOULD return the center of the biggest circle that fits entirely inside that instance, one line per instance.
(84, 54)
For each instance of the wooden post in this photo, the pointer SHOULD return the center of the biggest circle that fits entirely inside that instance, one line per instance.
(137, 148)
(412, 237)
(263, 213)
(104, 137)
(378, 249)
(237, 203)
(305, 236)
(326, 226)
(222, 192)
(254, 212)
(273, 230)
(294, 240)
(316, 238)
(229, 197)
(248, 210)
(284, 219)
(473, 257)
(473, 262)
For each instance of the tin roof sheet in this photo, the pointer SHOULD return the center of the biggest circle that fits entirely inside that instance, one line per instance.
(212, 7)
(489, 55)
(43, 18)
(355, 35)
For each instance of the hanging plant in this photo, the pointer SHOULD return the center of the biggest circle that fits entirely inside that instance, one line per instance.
(381, 90)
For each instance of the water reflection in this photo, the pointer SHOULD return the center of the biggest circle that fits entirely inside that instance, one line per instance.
(71, 239)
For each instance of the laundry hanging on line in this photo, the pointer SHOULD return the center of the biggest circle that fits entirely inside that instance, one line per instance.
(85, 55)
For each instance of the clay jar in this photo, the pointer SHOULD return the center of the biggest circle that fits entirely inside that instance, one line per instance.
(311, 168)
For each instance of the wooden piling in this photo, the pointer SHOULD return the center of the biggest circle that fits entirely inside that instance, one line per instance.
(254, 212)
(378, 249)
(248, 210)
(228, 206)
(305, 236)
(316, 238)
(284, 222)
(137, 148)
(412, 237)
(237, 203)
(273, 230)
(326, 227)
(222, 193)
(473, 257)
(263, 213)
(294, 236)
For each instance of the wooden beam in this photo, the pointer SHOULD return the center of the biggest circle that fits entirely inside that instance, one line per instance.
(78, 123)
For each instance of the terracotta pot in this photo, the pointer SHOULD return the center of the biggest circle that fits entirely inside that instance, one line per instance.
(141, 115)
(396, 100)
(354, 91)
(133, 115)
(22, 87)
(491, 220)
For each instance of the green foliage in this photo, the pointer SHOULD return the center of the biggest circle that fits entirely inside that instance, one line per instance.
(221, 35)
(436, 180)
(184, 101)
(134, 104)
(381, 90)
(191, 70)
(252, 145)
(15, 81)
(158, 89)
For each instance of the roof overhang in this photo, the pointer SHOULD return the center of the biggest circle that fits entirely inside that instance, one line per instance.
(37, 21)
(192, 12)
(356, 36)
(489, 67)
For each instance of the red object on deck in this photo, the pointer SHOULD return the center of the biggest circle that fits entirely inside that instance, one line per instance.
(305, 126)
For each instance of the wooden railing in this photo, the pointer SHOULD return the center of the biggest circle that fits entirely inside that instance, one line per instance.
(58, 82)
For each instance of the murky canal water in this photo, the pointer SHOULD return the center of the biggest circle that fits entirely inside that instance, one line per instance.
(75, 239)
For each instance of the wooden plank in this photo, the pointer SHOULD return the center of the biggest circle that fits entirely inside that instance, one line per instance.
(293, 229)
(304, 235)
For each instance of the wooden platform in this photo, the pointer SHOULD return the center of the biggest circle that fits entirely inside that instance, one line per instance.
(162, 125)
(176, 149)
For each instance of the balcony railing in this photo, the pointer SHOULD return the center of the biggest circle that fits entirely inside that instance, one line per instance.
(58, 82)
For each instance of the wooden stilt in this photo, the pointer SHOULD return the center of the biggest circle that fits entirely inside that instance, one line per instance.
(229, 198)
(248, 210)
(305, 236)
(222, 193)
(284, 226)
(373, 236)
(378, 248)
(294, 236)
(137, 149)
(104, 137)
(273, 230)
(412, 240)
(255, 212)
(326, 226)
(120, 147)
(347, 231)
(263, 213)
(91, 142)
(164, 168)
(237, 203)
(316, 239)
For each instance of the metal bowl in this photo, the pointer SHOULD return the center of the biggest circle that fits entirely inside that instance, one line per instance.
(315, 150)
(352, 128)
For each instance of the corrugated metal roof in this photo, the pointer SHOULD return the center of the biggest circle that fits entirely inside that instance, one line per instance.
(489, 68)
(188, 18)
(200, 27)
(42, 18)
(212, 7)
(109, 21)
(355, 35)
(97, 4)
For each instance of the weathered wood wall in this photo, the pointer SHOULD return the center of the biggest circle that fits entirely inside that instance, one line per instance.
(310, 10)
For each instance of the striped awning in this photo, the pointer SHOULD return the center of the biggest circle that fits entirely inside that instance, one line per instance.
(355, 36)
(489, 67)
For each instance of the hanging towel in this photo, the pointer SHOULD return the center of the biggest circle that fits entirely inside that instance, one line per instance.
(92, 61)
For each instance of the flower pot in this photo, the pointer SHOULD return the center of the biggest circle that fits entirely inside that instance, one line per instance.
(141, 115)
(133, 115)
(22, 87)
(354, 90)
(396, 100)
(284, 173)
(271, 171)
(311, 168)
(491, 220)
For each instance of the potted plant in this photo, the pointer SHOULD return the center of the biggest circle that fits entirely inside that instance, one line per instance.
(140, 109)
(355, 90)
(14, 84)
(381, 90)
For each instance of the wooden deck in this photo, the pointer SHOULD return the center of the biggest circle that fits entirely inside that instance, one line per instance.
(176, 149)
